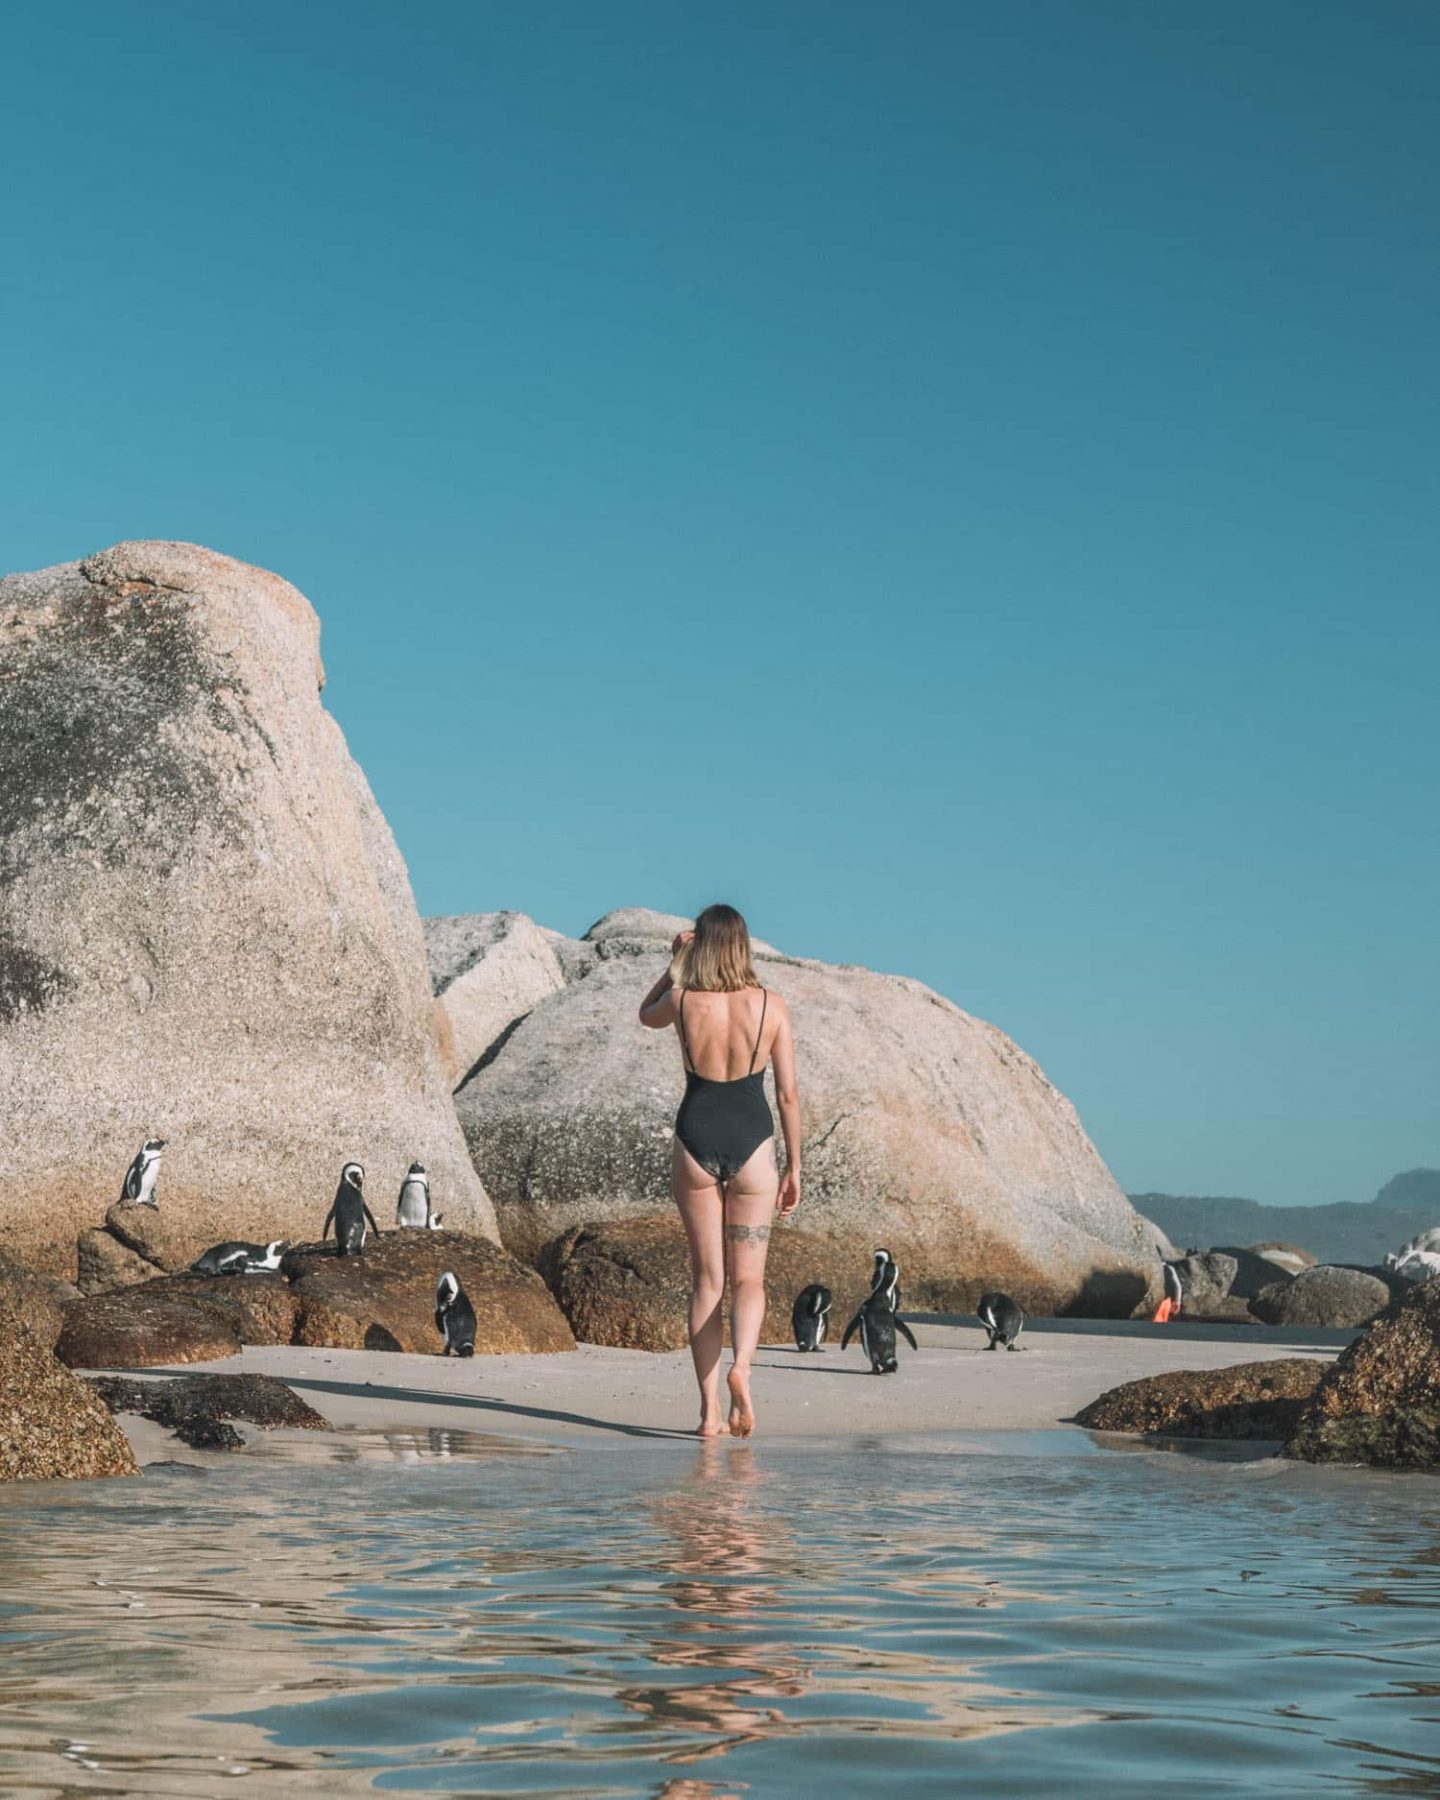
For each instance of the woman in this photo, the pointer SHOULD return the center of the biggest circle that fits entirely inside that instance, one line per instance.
(722, 1168)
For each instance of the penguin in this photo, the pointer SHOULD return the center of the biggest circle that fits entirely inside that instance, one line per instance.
(412, 1209)
(238, 1258)
(436, 1222)
(454, 1317)
(1003, 1318)
(348, 1212)
(883, 1261)
(879, 1319)
(142, 1175)
(811, 1316)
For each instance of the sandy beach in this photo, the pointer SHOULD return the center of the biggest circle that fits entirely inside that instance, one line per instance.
(952, 1384)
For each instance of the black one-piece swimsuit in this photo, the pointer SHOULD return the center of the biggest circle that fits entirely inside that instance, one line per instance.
(723, 1123)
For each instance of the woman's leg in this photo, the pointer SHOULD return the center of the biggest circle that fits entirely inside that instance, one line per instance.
(749, 1214)
(701, 1208)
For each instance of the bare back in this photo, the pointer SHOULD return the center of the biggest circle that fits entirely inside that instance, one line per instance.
(721, 1032)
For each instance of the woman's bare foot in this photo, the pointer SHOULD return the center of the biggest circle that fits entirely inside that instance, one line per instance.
(712, 1422)
(742, 1413)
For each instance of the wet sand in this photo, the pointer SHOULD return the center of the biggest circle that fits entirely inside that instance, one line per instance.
(952, 1384)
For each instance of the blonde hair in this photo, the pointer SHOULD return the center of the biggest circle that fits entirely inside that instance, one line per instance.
(717, 959)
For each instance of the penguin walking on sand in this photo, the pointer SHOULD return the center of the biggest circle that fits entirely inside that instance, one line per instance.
(811, 1316)
(879, 1319)
(349, 1213)
(237, 1258)
(454, 1317)
(1003, 1318)
(142, 1175)
(412, 1209)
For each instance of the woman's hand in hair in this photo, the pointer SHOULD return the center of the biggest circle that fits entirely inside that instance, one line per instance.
(789, 1197)
(680, 939)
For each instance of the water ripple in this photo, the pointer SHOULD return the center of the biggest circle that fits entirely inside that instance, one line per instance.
(430, 1614)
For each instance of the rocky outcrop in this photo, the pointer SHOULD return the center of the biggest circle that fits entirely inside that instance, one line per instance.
(924, 1127)
(51, 1425)
(626, 1283)
(209, 934)
(1289, 1257)
(37, 1301)
(385, 1299)
(103, 1264)
(1326, 1295)
(1380, 1400)
(1251, 1400)
(1206, 1278)
(158, 1322)
(199, 1409)
(487, 970)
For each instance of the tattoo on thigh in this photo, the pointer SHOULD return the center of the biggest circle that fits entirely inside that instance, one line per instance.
(748, 1234)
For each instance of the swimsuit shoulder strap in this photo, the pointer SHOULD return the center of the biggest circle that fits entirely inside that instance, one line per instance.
(684, 1041)
(760, 1031)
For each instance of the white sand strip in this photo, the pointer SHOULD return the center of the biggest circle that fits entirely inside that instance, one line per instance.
(952, 1384)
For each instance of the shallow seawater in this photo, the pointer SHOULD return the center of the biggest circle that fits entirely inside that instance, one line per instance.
(436, 1613)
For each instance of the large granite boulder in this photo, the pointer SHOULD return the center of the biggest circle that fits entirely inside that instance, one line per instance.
(385, 1298)
(38, 1301)
(487, 970)
(626, 1282)
(1326, 1295)
(925, 1128)
(51, 1425)
(209, 934)
(1206, 1278)
(1250, 1400)
(1380, 1400)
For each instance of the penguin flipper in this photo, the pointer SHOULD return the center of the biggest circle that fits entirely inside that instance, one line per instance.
(905, 1332)
(850, 1331)
(329, 1221)
(371, 1217)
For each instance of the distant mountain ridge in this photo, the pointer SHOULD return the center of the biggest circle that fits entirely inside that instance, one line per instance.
(1348, 1231)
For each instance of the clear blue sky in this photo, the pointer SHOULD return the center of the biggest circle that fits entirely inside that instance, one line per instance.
(957, 480)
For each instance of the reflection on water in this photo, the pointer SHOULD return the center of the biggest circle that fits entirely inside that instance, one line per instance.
(452, 1613)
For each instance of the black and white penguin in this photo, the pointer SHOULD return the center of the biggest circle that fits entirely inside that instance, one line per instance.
(237, 1258)
(884, 1262)
(454, 1316)
(142, 1175)
(811, 1316)
(879, 1319)
(349, 1213)
(1003, 1318)
(412, 1209)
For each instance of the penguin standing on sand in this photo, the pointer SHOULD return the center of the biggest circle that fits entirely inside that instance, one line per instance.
(238, 1258)
(142, 1175)
(454, 1317)
(879, 1319)
(811, 1316)
(1003, 1318)
(412, 1209)
(348, 1212)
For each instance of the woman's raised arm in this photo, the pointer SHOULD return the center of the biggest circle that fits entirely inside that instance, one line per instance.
(657, 1009)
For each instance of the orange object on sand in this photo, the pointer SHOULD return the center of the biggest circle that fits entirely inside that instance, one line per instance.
(1165, 1311)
